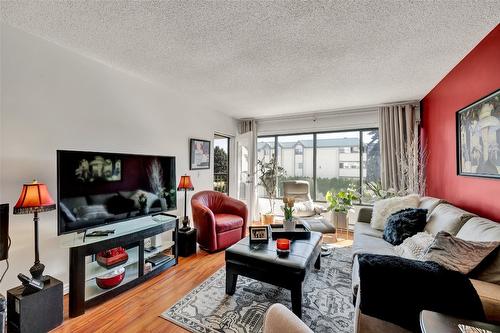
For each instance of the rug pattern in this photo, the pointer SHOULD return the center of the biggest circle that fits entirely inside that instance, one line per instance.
(327, 301)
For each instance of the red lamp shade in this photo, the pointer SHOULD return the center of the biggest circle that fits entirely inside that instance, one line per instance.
(34, 197)
(185, 184)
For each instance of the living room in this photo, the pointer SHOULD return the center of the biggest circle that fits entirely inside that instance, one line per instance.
(252, 164)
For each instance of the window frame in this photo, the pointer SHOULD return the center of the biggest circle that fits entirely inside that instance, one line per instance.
(228, 138)
(315, 147)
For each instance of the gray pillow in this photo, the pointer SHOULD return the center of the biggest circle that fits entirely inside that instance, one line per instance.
(94, 212)
(457, 254)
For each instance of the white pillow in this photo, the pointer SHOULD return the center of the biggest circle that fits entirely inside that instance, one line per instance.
(382, 209)
(415, 246)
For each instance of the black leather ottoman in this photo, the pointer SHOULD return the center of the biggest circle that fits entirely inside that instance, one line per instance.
(261, 262)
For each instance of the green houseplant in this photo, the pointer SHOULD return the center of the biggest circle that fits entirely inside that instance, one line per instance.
(269, 172)
(340, 204)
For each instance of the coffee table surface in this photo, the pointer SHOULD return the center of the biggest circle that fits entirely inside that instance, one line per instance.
(265, 253)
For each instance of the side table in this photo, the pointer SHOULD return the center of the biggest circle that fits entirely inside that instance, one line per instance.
(187, 242)
(434, 322)
(33, 312)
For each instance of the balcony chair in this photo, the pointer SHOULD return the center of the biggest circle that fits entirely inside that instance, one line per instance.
(221, 220)
(307, 211)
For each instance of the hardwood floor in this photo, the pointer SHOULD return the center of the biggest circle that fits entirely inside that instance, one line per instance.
(138, 309)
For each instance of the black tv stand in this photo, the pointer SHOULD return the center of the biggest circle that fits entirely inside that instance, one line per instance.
(83, 290)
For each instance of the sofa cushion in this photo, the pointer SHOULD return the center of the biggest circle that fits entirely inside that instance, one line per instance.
(457, 254)
(361, 228)
(74, 202)
(100, 199)
(446, 217)
(404, 224)
(68, 215)
(430, 203)
(226, 222)
(483, 230)
(382, 209)
(369, 244)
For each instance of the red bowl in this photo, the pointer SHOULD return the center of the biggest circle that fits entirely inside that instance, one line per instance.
(111, 279)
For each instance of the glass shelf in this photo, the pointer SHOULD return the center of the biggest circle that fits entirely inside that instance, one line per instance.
(121, 229)
(93, 269)
(93, 290)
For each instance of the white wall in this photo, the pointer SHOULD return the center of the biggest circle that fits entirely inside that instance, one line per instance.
(52, 98)
(321, 121)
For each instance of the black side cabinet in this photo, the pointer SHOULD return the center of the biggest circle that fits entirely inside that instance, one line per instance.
(187, 242)
(35, 312)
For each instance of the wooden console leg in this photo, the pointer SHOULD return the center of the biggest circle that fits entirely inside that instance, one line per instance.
(231, 280)
(297, 300)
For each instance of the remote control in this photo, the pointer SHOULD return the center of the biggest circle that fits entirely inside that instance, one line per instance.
(100, 233)
(29, 282)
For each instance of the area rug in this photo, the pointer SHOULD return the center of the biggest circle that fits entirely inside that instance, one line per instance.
(327, 301)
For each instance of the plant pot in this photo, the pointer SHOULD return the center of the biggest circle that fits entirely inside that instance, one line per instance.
(339, 220)
(268, 218)
(289, 225)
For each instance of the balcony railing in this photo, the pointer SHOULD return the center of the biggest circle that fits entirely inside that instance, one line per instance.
(221, 182)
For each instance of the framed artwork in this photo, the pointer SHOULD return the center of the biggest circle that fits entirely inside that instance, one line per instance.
(478, 138)
(199, 154)
(259, 233)
(105, 168)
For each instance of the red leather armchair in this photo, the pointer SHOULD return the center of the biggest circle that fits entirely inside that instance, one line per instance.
(221, 220)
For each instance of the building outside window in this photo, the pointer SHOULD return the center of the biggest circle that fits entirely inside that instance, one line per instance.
(328, 161)
(221, 164)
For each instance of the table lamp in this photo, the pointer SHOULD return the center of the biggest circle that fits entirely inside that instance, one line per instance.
(35, 198)
(185, 185)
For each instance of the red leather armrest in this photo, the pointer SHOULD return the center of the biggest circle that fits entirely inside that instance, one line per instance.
(236, 207)
(204, 221)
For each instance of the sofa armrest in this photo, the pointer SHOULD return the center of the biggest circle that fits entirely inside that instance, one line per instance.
(278, 319)
(489, 293)
(365, 214)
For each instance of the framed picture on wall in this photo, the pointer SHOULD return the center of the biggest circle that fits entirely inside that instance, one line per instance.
(478, 138)
(199, 154)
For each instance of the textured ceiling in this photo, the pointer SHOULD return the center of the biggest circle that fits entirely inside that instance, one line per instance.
(262, 58)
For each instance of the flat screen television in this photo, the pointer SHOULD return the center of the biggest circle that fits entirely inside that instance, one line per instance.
(97, 188)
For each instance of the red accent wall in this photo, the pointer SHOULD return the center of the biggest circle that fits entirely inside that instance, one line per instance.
(476, 76)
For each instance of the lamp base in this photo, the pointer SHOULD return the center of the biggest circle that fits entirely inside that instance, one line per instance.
(185, 224)
(36, 271)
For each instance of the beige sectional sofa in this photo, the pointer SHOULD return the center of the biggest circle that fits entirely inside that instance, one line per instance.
(442, 216)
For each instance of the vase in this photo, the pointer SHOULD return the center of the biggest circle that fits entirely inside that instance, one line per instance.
(339, 220)
(268, 218)
(289, 225)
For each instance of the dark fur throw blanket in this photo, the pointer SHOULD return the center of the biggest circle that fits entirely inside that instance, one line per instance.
(396, 289)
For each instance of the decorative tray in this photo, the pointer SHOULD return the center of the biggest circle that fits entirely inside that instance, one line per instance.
(301, 232)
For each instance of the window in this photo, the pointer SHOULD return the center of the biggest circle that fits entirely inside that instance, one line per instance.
(221, 164)
(329, 161)
(295, 154)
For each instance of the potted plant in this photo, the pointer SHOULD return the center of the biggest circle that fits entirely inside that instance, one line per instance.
(269, 172)
(288, 222)
(340, 204)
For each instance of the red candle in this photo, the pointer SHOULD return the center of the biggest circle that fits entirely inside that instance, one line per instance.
(283, 244)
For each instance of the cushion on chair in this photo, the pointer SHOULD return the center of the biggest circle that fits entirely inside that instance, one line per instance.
(226, 222)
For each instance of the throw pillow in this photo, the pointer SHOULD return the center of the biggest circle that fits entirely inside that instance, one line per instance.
(457, 254)
(404, 224)
(93, 212)
(415, 246)
(150, 197)
(382, 209)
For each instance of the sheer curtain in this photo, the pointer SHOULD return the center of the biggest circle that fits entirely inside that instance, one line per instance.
(249, 127)
(401, 154)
